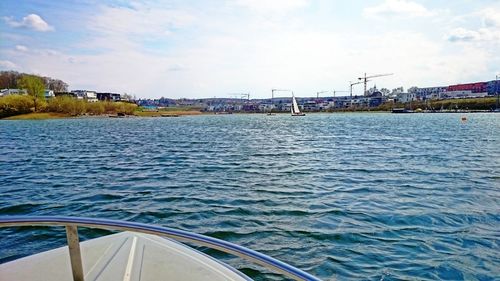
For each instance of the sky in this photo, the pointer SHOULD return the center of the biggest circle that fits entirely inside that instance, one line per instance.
(201, 49)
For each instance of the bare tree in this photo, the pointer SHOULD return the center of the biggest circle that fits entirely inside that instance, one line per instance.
(9, 79)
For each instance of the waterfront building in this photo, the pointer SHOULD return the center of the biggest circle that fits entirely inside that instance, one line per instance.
(478, 87)
(250, 107)
(463, 94)
(406, 97)
(6, 92)
(108, 96)
(375, 99)
(493, 87)
(90, 96)
(428, 93)
(360, 101)
(48, 94)
(62, 94)
(310, 105)
(266, 106)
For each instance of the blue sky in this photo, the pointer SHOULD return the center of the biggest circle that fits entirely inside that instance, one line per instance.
(214, 48)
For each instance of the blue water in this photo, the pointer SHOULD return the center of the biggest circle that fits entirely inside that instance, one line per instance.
(342, 196)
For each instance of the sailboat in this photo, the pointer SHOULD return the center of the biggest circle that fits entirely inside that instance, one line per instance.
(295, 108)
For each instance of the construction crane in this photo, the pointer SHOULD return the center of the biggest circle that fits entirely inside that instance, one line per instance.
(241, 95)
(321, 92)
(365, 78)
(272, 98)
(352, 84)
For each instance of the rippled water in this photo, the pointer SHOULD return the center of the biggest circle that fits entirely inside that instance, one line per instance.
(342, 196)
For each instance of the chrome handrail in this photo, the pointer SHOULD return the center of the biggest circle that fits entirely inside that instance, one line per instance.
(180, 235)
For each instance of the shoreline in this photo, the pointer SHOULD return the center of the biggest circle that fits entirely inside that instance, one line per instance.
(167, 114)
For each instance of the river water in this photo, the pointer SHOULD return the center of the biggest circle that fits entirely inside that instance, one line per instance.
(342, 196)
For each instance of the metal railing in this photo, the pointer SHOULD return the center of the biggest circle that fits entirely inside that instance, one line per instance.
(71, 224)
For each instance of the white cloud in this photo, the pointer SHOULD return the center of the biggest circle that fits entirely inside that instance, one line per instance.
(122, 21)
(5, 64)
(396, 8)
(467, 35)
(177, 67)
(491, 17)
(21, 48)
(462, 34)
(489, 32)
(32, 21)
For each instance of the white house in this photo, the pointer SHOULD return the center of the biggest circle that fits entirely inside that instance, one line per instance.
(5, 92)
(48, 94)
(90, 96)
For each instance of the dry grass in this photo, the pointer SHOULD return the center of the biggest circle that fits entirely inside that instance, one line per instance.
(38, 116)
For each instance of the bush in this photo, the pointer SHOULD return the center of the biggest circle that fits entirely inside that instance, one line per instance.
(127, 108)
(95, 108)
(66, 105)
(119, 107)
(20, 104)
(11, 105)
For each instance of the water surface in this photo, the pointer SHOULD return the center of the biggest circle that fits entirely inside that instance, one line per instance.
(342, 196)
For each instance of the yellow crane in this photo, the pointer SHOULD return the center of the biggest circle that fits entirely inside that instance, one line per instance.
(365, 79)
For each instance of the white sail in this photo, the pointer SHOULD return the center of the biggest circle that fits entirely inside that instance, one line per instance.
(295, 106)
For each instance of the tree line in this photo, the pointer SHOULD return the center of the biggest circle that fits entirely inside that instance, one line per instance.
(12, 80)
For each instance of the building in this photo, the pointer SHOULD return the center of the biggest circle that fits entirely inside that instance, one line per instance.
(6, 92)
(360, 101)
(48, 94)
(375, 99)
(114, 97)
(406, 97)
(266, 106)
(310, 105)
(428, 93)
(90, 96)
(469, 90)
(463, 94)
(479, 87)
(493, 87)
(64, 94)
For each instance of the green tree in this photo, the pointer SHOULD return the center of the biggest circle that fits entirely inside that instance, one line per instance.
(34, 85)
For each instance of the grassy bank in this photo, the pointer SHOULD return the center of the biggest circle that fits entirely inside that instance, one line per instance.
(487, 103)
(141, 112)
(38, 116)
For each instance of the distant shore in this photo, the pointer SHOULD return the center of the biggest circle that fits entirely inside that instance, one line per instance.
(159, 114)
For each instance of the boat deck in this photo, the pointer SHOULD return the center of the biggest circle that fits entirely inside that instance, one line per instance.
(124, 256)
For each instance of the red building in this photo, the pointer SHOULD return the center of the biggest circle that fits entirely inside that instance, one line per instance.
(479, 87)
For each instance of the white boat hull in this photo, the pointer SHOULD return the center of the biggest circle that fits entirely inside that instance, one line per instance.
(124, 256)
